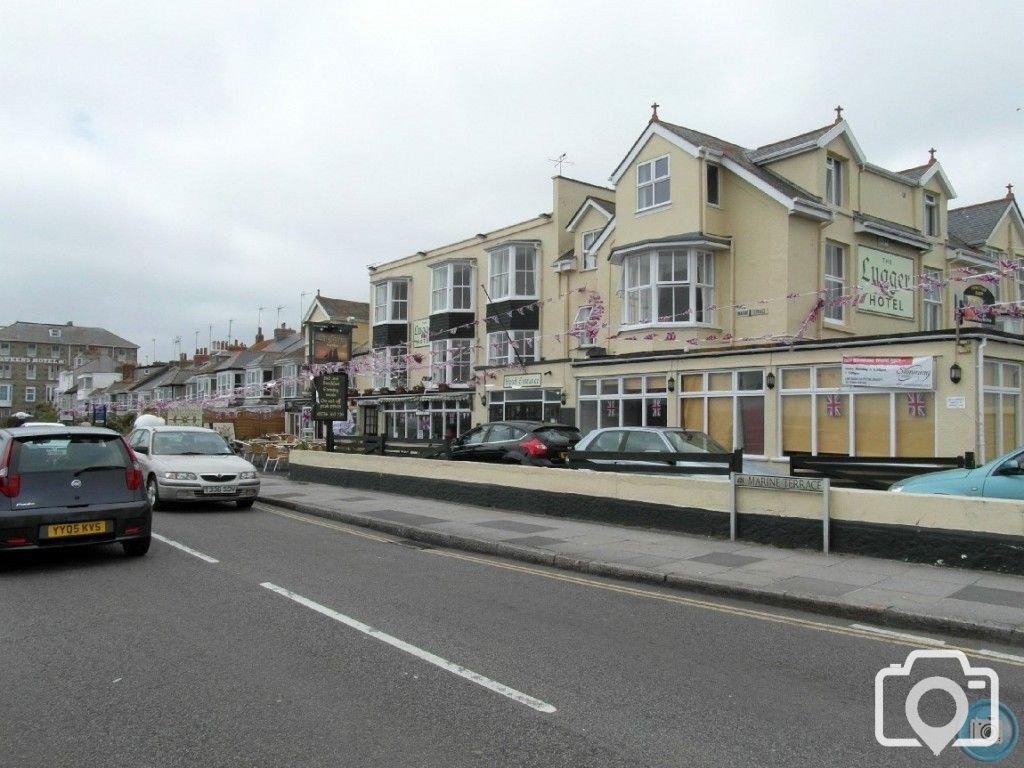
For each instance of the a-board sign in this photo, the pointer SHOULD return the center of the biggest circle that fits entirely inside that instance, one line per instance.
(330, 397)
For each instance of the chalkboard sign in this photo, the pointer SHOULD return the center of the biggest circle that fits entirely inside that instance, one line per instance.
(330, 397)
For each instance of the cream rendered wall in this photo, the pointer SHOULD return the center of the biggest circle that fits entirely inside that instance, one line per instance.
(887, 199)
(806, 170)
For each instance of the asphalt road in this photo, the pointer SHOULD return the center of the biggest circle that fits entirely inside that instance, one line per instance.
(263, 658)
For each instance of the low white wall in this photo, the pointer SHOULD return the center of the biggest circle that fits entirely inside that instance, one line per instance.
(959, 513)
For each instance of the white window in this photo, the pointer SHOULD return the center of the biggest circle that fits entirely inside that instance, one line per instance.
(5, 394)
(510, 347)
(30, 394)
(589, 254)
(451, 361)
(5, 348)
(712, 181)
(121, 355)
(55, 352)
(668, 287)
(834, 180)
(31, 350)
(452, 287)
(391, 302)
(931, 215)
(586, 336)
(51, 372)
(30, 371)
(835, 282)
(513, 272)
(5, 370)
(390, 368)
(931, 293)
(652, 186)
(51, 394)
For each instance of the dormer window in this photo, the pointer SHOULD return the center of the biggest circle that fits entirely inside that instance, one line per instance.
(712, 174)
(55, 333)
(391, 302)
(652, 187)
(833, 180)
(931, 215)
(589, 253)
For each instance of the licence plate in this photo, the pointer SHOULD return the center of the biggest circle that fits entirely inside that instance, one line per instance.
(76, 529)
(219, 489)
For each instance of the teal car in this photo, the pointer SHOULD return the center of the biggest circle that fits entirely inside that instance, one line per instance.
(1001, 478)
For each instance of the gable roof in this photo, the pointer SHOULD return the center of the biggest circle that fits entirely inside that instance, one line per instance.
(805, 142)
(974, 224)
(604, 207)
(339, 310)
(39, 333)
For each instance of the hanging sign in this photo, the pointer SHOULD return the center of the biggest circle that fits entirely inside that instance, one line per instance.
(889, 372)
(421, 332)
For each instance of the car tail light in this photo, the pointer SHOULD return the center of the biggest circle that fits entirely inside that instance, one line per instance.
(133, 474)
(534, 446)
(131, 529)
(10, 484)
(17, 541)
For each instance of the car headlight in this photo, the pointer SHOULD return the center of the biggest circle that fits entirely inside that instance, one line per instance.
(896, 488)
(247, 476)
(180, 476)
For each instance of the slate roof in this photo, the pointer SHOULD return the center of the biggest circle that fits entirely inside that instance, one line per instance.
(569, 255)
(101, 364)
(794, 141)
(973, 224)
(740, 156)
(341, 309)
(915, 173)
(39, 333)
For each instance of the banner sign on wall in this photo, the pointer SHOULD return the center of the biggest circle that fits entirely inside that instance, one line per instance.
(887, 283)
(889, 372)
(421, 333)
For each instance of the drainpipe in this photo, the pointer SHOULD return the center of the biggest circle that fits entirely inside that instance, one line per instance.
(981, 401)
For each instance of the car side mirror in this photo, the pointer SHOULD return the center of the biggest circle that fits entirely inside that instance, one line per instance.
(1010, 467)
(141, 449)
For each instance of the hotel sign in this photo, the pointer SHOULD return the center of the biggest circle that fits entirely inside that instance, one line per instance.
(421, 332)
(886, 283)
(522, 381)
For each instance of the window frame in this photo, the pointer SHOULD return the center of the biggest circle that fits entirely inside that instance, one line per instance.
(931, 214)
(385, 313)
(708, 168)
(443, 293)
(641, 299)
(834, 173)
(932, 300)
(835, 312)
(589, 260)
(504, 271)
(30, 394)
(654, 183)
(456, 365)
(503, 340)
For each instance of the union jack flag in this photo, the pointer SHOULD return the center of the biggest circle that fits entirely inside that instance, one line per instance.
(610, 408)
(656, 408)
(833, 405)
(916, 405)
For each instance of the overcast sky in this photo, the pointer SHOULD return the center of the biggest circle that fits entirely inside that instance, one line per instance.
(167, 167)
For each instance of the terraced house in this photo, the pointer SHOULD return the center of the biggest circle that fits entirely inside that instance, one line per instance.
(793, 298)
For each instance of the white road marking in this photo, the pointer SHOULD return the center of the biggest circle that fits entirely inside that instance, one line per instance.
(998, 655)
(901, 635)
(419, 653)
(183, 548)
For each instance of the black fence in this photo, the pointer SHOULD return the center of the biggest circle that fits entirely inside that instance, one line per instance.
(647, 462)
(873, 472)
(382, 445)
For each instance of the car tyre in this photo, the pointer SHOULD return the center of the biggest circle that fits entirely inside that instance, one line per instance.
(136, 547)
(245, 503)
(153, 493)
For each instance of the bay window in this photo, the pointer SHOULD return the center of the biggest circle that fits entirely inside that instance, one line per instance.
(502, 347)
(391, 302)
(390, 367)
(451, 361)
(513, 272)
(451, 287)
(668, 287)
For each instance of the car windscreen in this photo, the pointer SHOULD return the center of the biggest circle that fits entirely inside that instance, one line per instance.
(189, 444)
(558, 435)
(63, 453)
(693, 442)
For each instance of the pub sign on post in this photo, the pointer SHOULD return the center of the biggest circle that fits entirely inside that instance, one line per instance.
(330, 397)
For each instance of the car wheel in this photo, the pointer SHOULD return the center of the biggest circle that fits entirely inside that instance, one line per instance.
(153, 493)
(136, 547)
(245, 503)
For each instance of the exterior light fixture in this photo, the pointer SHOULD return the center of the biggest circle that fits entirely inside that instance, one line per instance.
(483, 399)
(955, 373)
(563, 397)
(770, 380)
(671, 384)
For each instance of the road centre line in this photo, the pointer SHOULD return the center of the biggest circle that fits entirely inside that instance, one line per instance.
(183, 548)
(721, 608)
(419, 653)
(919, 639)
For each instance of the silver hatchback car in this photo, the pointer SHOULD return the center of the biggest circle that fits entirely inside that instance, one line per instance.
(189, 464)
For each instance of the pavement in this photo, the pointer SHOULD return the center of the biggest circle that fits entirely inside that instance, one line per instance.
(936, 598)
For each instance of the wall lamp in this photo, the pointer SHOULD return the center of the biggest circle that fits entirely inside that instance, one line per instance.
(563, 397)
(483, 399)
(671, 383)
(770, 380)
(955, 373)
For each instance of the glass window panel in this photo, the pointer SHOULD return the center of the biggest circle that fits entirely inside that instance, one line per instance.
(632, 385)
(720, 382)
(720, 420)
(796, 424)
(991, 425)
(750, 380)
(871, 426)
(992, 374)
(643, 173)
(692, 382)
(655, 383)
(657, 412)
(915, 424)
(632, 413)
(609, 386)
(588, 387)
(1009, 403)
(830, 377)
(833, 425)
(1011, 376)
(692, 413)
(796, 378)
(661, 167)
(750, 412)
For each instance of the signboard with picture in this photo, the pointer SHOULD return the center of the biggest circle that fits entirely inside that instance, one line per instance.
(331, 345)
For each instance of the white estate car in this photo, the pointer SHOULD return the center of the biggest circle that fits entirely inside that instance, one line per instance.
(192, 464)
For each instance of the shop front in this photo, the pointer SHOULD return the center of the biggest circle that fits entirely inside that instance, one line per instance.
(522, 398)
